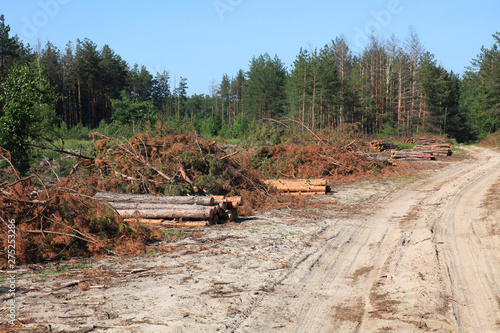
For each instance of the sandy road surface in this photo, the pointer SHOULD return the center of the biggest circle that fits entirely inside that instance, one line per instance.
(387, 257)
(424, 260)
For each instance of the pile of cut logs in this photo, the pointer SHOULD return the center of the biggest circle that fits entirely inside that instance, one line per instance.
(299, 186)
(378, 145)
(407, 140)
(175, 211)
(411, 155)
(423, 152)
(439, 149)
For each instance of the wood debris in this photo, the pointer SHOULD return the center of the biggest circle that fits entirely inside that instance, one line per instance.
(423, 152)
(299, 186)
(378, 145)
(173, 211)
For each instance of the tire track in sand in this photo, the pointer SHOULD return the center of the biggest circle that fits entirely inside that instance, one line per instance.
(419, 262)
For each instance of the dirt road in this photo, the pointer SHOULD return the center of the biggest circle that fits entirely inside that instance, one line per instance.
(425, 259)
(389, 257)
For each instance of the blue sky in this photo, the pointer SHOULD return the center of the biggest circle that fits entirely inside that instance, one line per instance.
(203, 39)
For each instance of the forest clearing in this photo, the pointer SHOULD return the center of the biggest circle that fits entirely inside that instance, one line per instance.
(353, 190)
(392, 247)
(399, 254)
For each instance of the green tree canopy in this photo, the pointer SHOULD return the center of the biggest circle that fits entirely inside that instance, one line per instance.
(265, 95)
(25, 94)
(129, 110)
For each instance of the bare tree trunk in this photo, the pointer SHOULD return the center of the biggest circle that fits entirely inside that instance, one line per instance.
(313, 125)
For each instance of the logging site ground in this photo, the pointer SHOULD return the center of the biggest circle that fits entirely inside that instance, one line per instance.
(419, 253)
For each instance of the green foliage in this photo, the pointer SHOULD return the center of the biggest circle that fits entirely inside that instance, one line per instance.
(263, 133)
(480, 93)
(115, 129)
(211, 126)
(79, 132)
(386, 83)
(27, 98)
(240, 127)
(132, 111)
(389, 130)
(265, 94)
(404, 145)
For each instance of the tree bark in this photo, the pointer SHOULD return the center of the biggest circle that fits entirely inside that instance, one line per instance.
(165, 223)
(312, 182)
(187, 212)
(146, 198)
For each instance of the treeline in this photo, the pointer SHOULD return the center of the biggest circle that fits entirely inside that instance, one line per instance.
(391, 87)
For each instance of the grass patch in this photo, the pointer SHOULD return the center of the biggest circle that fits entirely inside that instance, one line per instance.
(173, 234)
(459, 152)
(233, 141)
(402, 181)
(404, 145)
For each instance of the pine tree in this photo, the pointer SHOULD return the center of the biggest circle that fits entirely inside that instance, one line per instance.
(265, 95)
(161, 92)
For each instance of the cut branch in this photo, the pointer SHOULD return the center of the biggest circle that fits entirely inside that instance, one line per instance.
(58, 150)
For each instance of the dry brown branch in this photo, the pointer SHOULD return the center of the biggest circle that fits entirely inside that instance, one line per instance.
(183, 173)
(308, 129)
(132, 179)
(43, 232)
(229, 155)
(12, 166)
(281, 123)
(75, 167)
(138, 158)
(79, 155)
(10, 184)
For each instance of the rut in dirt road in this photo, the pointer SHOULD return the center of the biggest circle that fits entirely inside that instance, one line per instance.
(471, 252)
(424, 260)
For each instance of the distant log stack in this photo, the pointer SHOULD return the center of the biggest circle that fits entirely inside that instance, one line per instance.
(407, 140)
(442, 149)
(378, 145)
(428, 140)
(411, 155)
(175, 211)
(299, 186)
(425, 152)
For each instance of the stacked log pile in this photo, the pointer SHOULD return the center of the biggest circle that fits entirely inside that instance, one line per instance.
(172, 211)
(426, 152)
(299, 186)
(408, 140)
(378, 145)
(440, 149)
(411, 155)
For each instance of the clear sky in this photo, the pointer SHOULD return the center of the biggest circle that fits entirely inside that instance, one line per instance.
(203, 39)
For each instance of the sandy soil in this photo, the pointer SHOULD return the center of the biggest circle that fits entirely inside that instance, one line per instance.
(394, 256)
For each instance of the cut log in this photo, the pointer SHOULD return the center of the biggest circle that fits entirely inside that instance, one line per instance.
(229, 215)
(167, 223)
(227, 203)
(170, 210)
(381, 146)
(146, 205)
(313, 186)
(438, 150)
(146, 198)
(186, 212)
(311, 182)
(435, 145)
(300, 188)
(411, 155)
(303, 193)
(234, 202)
